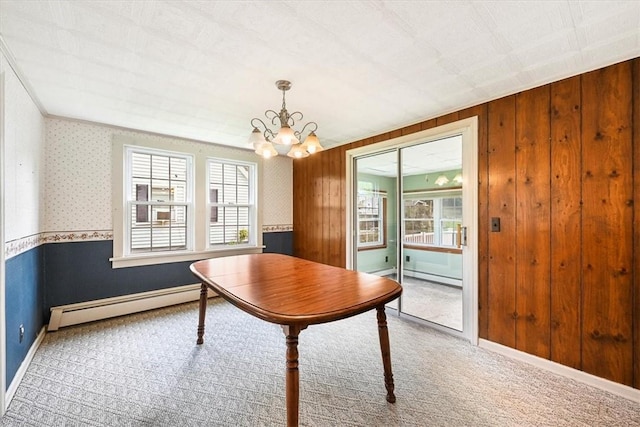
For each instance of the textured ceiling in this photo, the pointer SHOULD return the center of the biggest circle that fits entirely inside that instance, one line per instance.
(203, 69)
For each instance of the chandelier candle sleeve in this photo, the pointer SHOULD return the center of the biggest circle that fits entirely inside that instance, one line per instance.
(262, 138)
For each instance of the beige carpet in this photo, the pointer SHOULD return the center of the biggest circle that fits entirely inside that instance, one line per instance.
(145, 370)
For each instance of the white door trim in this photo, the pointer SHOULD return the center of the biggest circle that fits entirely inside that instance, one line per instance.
(468, 128)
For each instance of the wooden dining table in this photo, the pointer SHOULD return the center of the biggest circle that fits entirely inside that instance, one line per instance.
(296, 293)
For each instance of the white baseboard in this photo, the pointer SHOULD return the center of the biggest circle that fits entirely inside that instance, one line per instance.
(601, 383)
(434, 278)
(73, 314)
(17, 378)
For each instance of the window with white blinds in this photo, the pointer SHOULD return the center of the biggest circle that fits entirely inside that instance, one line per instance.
(159, 204)
(174, 203)
(231, 203)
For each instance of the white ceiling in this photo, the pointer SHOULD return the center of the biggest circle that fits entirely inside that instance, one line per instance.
(203, 69)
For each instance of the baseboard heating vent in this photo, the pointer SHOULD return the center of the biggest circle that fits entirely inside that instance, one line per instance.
(73, 314)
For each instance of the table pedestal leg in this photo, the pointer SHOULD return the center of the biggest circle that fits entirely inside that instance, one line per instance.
(293, 377)
(383, 333)
(203, 312)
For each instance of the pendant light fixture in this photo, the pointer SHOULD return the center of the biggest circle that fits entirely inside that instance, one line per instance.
(263, 138)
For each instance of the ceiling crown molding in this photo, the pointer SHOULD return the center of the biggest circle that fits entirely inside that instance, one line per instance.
(25, 83)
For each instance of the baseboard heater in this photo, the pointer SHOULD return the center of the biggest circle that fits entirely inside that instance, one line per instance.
(74, 314)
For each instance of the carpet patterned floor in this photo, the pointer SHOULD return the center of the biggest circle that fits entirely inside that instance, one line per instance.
(145, 370)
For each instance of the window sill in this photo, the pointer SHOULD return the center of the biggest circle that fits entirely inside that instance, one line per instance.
(169, 257)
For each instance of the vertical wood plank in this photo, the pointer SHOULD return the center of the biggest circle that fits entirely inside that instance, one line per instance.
(313, 217)
(378, 138)
(428, 124)
(566, 281)
(335, 218)
(411, 129)
(325, 253)
(448, 118)
(483, 216)
(533, 221)
(502, 204)
(636, 222)
(607, 223)
(394, 134)
(299, 207)
(343, 209)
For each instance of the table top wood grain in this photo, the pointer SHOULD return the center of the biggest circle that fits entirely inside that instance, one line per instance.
(288, 290)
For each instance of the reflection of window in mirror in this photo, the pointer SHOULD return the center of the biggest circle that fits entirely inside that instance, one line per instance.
(432, 219)
(372, 227)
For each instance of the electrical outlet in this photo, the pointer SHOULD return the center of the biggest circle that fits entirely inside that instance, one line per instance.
(408, 258)
(495, 225)
(386, 259)
(21, 332)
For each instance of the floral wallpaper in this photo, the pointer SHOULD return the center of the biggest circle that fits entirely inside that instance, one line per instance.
(77, 188)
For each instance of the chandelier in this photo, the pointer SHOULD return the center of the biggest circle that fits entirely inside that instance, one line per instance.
(263, 138)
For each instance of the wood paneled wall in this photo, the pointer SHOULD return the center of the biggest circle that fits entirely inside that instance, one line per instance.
(560, 166)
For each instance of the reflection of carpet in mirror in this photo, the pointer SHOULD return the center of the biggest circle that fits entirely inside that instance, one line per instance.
(435, 302)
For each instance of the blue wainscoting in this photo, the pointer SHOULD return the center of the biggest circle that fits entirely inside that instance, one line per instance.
(280, 242)
(24, 301)
(81, 271)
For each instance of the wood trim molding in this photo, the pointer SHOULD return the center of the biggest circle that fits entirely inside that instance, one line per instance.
(433, 249)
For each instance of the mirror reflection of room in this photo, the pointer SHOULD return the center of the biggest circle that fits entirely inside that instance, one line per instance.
(429, 214)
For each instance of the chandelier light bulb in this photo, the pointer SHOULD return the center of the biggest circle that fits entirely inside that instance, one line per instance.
(297, 152)
(256, 139)
(312, 144)
(286, 136)
(442, 180)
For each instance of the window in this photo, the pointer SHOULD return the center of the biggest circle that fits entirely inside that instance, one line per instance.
(450, 218)
(418, 221)
(231, 203)
(371, 218)
(432, 221)
(175, 202)
(158, 200)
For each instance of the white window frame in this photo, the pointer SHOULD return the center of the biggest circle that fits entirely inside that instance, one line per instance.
(437, 219)
(253, 196)
(380, 218)
(199, 248)
(130, 201)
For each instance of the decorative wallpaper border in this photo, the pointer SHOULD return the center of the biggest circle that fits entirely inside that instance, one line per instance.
(76, 236)
(18, 246)
(278, 227)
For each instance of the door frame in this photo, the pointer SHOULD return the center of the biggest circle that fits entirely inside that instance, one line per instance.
(468, 129)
